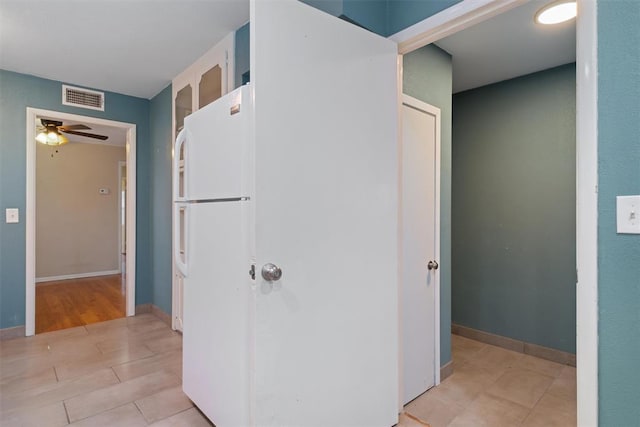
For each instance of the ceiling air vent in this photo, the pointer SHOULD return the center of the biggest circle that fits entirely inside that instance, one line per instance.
(83, 98)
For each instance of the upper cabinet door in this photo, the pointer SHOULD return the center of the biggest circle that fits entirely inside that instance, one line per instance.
(206, 80)
(326, 209)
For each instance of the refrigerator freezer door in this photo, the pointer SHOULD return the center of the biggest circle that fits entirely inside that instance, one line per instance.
(217, 299)
(216, 148)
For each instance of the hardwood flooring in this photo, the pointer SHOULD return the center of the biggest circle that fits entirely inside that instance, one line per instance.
(77, 302)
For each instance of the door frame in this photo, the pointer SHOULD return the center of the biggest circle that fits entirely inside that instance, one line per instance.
(121, 164)
(30, 217)
(469, 12)
(435, 111)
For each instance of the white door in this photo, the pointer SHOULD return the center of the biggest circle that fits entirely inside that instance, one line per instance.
(326, 111)
(420, 243)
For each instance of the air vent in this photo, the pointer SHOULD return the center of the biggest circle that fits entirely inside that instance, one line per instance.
(83, 98)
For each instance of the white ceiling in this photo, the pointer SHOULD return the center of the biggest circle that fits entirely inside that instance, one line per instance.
(134, 47)
(508, 46)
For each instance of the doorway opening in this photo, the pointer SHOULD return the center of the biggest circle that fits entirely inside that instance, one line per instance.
(455, 20)
(80, 222)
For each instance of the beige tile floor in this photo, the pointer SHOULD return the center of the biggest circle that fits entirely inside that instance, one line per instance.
(127, 372)
(495, 387)
(124, 372)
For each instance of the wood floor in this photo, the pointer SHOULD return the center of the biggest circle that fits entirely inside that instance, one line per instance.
(69, 303)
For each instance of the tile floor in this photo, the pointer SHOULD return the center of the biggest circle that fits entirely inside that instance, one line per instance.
(127, 372)
(495, 387)
(124, 372)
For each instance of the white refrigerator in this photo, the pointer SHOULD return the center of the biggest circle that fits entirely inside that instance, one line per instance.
(213, 201)
(298, 170)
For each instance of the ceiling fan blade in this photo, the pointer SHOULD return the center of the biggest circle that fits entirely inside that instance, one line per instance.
(47, 122)
(88, 135)
(73, 127)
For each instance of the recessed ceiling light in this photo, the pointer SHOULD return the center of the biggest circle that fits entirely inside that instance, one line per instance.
(557, 12)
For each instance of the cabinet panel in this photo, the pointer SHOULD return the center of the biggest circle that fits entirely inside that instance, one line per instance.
(183, 103)
(210, 86)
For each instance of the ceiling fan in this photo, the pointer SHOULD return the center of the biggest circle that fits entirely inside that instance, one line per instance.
(50, 132)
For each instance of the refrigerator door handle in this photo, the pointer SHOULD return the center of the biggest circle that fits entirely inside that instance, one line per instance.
(182, 136)
(180, 233)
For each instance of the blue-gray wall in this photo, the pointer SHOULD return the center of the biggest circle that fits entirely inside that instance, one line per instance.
(17, 92)
(513, 208)
(384, 17)
(404, 13)
(161, 146)
(241, 53)
(428, 77)
(618, 174)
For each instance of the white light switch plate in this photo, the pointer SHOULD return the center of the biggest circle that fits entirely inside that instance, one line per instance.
(628, 214)
(12, 215)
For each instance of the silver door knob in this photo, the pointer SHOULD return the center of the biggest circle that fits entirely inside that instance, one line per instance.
(271, 272)
(432, 265)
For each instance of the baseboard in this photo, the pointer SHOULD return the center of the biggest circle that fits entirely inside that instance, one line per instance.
(155, 310)
(77, 276)
(446, 370)
(143, 308)
(531, 349)
(160, 314)
(11, 333)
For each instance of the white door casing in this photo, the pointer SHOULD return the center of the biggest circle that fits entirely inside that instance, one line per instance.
(420, 225)
(30, 217)
(326, 213)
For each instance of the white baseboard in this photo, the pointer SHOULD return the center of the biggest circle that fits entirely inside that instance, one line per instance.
(77, 276)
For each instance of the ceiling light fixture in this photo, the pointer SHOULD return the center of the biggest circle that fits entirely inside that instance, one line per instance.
(51, 136)
(557, 12)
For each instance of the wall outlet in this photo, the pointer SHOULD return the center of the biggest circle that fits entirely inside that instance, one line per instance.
(12, 215)
(628, 214)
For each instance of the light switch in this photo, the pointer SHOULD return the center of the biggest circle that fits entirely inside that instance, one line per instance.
(12, 215)
(628, 214)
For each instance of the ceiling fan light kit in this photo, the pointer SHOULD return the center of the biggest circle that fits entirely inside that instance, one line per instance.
(50, 133)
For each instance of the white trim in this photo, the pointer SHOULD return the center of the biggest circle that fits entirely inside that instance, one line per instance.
(456, 18)
(400, 243)
(435, 111)
(30, 217)
(587, 212)
(470, 12)
(77, 276)
(121, 164)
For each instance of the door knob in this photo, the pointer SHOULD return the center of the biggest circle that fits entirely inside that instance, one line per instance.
(271, 272)
(432, 265)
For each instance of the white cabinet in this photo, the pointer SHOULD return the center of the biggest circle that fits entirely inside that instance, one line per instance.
(206, 80)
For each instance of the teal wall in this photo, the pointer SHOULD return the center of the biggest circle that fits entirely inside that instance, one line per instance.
(618, 174)
(384, 17)
(513, 208)
(241, 53)
(160, 117)
(404, 13)
(17, 92)
(427, 77)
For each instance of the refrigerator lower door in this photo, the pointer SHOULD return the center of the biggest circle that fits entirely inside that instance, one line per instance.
(217, 293)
